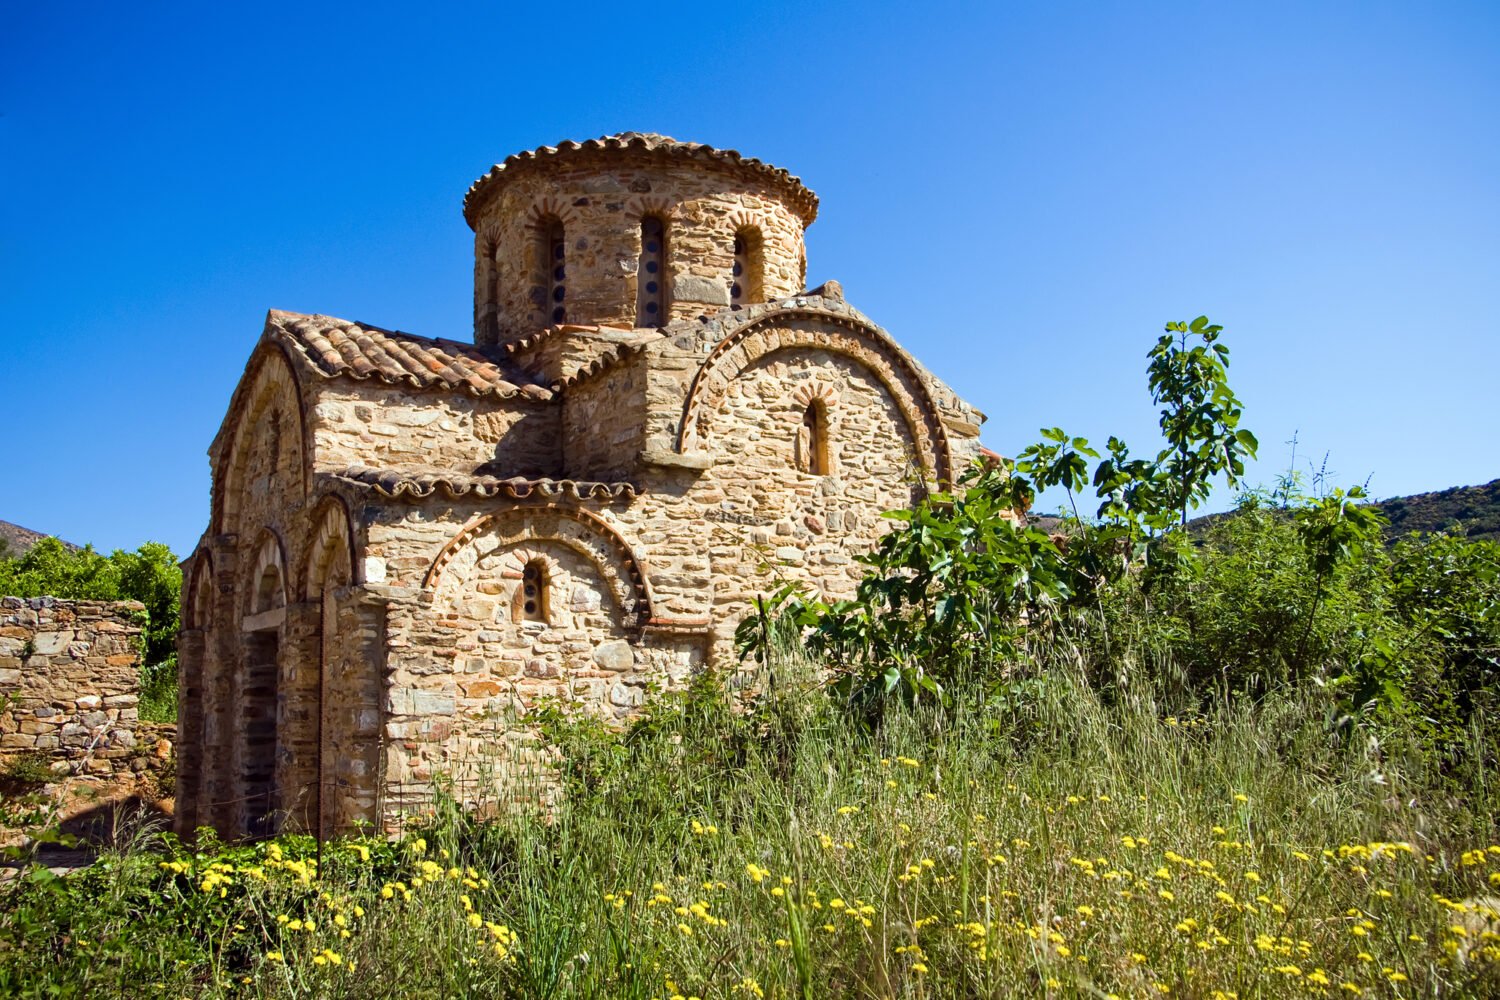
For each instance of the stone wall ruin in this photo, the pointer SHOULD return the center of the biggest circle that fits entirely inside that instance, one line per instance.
(70, 684)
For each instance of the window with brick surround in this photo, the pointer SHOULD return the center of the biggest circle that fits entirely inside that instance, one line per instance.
(651, 275)
(745, 284)
(812, 440)
(533, 596)
(552, 255)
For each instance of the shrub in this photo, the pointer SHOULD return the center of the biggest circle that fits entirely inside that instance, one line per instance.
(27, 770)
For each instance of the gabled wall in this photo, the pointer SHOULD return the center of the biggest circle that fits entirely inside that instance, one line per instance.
(373, 426)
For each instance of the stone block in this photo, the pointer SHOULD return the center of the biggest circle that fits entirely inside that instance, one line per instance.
(414, 701)
(691, 288)
(615, 654)
(482, 689)
(48, 643)
(625, 696)
(539, 668)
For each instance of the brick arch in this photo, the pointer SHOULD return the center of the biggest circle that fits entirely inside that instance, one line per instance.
(742, 219)
(269, 554)
(331, 551)
(581, 530)
(198, 592)
(810, 392)
(641, 205)
(551, 207)
(788, 329)
(272, 382)
(488, 235)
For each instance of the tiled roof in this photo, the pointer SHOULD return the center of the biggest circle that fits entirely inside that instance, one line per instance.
(802, 200)
(418, 482)
(333, 347)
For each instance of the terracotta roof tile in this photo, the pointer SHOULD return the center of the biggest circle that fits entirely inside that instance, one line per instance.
(333, 347)
(803, 201)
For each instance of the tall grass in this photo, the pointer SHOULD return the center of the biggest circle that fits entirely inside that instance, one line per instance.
(1058, 845)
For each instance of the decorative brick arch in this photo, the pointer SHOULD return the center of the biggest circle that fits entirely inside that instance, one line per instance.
(551, 207)
(742, 219)
(198, 594)
(273, 382)
(488, 235)
(641, 205)
(796, 328)
(269, 554)
(331, 552)
(581, 530)
(811, 392)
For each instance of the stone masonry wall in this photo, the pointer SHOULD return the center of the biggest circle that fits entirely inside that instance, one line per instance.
(373, 426)
(602, 422)
(600, 202)
(767, 510)
(69, 677)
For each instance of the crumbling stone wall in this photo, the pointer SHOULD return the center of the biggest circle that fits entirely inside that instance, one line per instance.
(70, 680)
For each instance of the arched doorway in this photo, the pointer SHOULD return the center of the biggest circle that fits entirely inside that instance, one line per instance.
(258, 689)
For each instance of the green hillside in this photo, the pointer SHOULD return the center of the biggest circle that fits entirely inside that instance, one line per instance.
(1474, 509)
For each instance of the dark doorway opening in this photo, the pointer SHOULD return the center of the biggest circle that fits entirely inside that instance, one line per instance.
(258, 756)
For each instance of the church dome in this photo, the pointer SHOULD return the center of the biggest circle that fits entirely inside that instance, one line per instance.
(631, 230)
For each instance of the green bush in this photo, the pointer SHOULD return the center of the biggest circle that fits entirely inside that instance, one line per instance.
(24, 771)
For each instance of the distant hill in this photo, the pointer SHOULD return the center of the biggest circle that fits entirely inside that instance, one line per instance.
(1475, 508)
(16, 540)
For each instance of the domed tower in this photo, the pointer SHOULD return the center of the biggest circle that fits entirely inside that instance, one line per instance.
(631, 230)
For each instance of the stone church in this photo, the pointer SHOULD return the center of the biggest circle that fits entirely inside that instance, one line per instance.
(412, 540)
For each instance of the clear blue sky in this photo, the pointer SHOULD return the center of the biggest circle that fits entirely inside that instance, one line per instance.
(1021, 194)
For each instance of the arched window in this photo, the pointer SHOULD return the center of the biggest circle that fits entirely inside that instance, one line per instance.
(552, 256)
(812, 441)
(651, 276)
(533, 597)
(745, 281)
(489, 264)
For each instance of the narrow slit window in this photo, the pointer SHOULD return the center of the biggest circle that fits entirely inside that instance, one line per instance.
(745, 278)
(812, 441)
(491, 265)
(651, 279)
(534, 593)
(554, 261)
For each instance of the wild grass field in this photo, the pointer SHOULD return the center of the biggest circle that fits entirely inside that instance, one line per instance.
(1074, 849)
